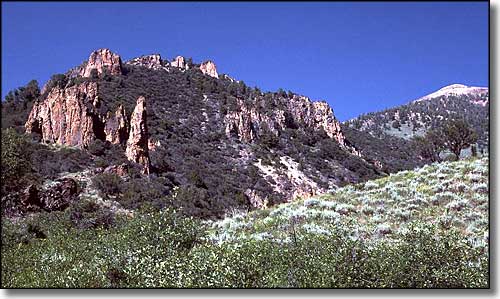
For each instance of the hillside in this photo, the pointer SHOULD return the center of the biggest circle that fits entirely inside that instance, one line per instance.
(186, 126)
(432, 111)
(449, 195)
(425, 228)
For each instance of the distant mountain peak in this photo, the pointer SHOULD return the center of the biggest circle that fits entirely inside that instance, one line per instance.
(455, 89)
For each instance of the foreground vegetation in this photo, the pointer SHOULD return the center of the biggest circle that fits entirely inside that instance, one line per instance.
(424, 228)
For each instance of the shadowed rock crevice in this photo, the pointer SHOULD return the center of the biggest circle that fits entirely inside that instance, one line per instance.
(98, 126)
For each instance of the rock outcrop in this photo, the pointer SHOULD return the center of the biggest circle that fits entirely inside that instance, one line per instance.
(68, 116)
(101, 60)
(116, 127)
(289, 181)
(179, 62)
(316, 115)
(247, 122)
(150, 61)
(209, 68)
(60, 195)
(137, 144)
(55, 197)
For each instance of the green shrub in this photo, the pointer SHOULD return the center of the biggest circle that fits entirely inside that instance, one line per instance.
(107, 184)
(167, 250)
(15, 159)
(86, 214)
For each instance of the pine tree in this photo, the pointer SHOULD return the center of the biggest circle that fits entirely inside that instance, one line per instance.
(458, 135)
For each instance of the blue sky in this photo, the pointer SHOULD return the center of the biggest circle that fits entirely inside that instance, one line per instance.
(360, 57)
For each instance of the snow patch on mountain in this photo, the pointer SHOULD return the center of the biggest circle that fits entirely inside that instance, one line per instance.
(454, 90)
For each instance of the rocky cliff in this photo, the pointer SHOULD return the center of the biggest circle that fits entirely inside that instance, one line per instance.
(117, 126)
(137, 143)
(150, 61)
(247, 122)
(70, 116)
(317, 115)
(67, 116)
(101, 60)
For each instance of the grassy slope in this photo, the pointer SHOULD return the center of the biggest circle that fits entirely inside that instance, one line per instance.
(451, 195)
(366, 235)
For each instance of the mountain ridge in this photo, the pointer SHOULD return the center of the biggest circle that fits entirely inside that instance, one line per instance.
(266, 147)
(415, 117)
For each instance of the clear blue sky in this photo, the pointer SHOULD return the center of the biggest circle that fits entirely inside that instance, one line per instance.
(360, 57)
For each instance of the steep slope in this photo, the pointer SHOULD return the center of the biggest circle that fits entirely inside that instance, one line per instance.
(221, 143)
(451, 102)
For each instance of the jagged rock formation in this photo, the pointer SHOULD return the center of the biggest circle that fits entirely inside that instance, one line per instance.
(67, 116)
(317, 115)
(116, 127)
(150, 61)
(179, 62)
(247, 122)
(209, 68)
(137, 144)
(100, 60)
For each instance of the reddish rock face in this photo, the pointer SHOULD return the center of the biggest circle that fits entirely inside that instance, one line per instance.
(137, 144)
(67, 116)
(179, 62)
(100, 60)
(150, 61)
(116, 127)
(209, 68)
